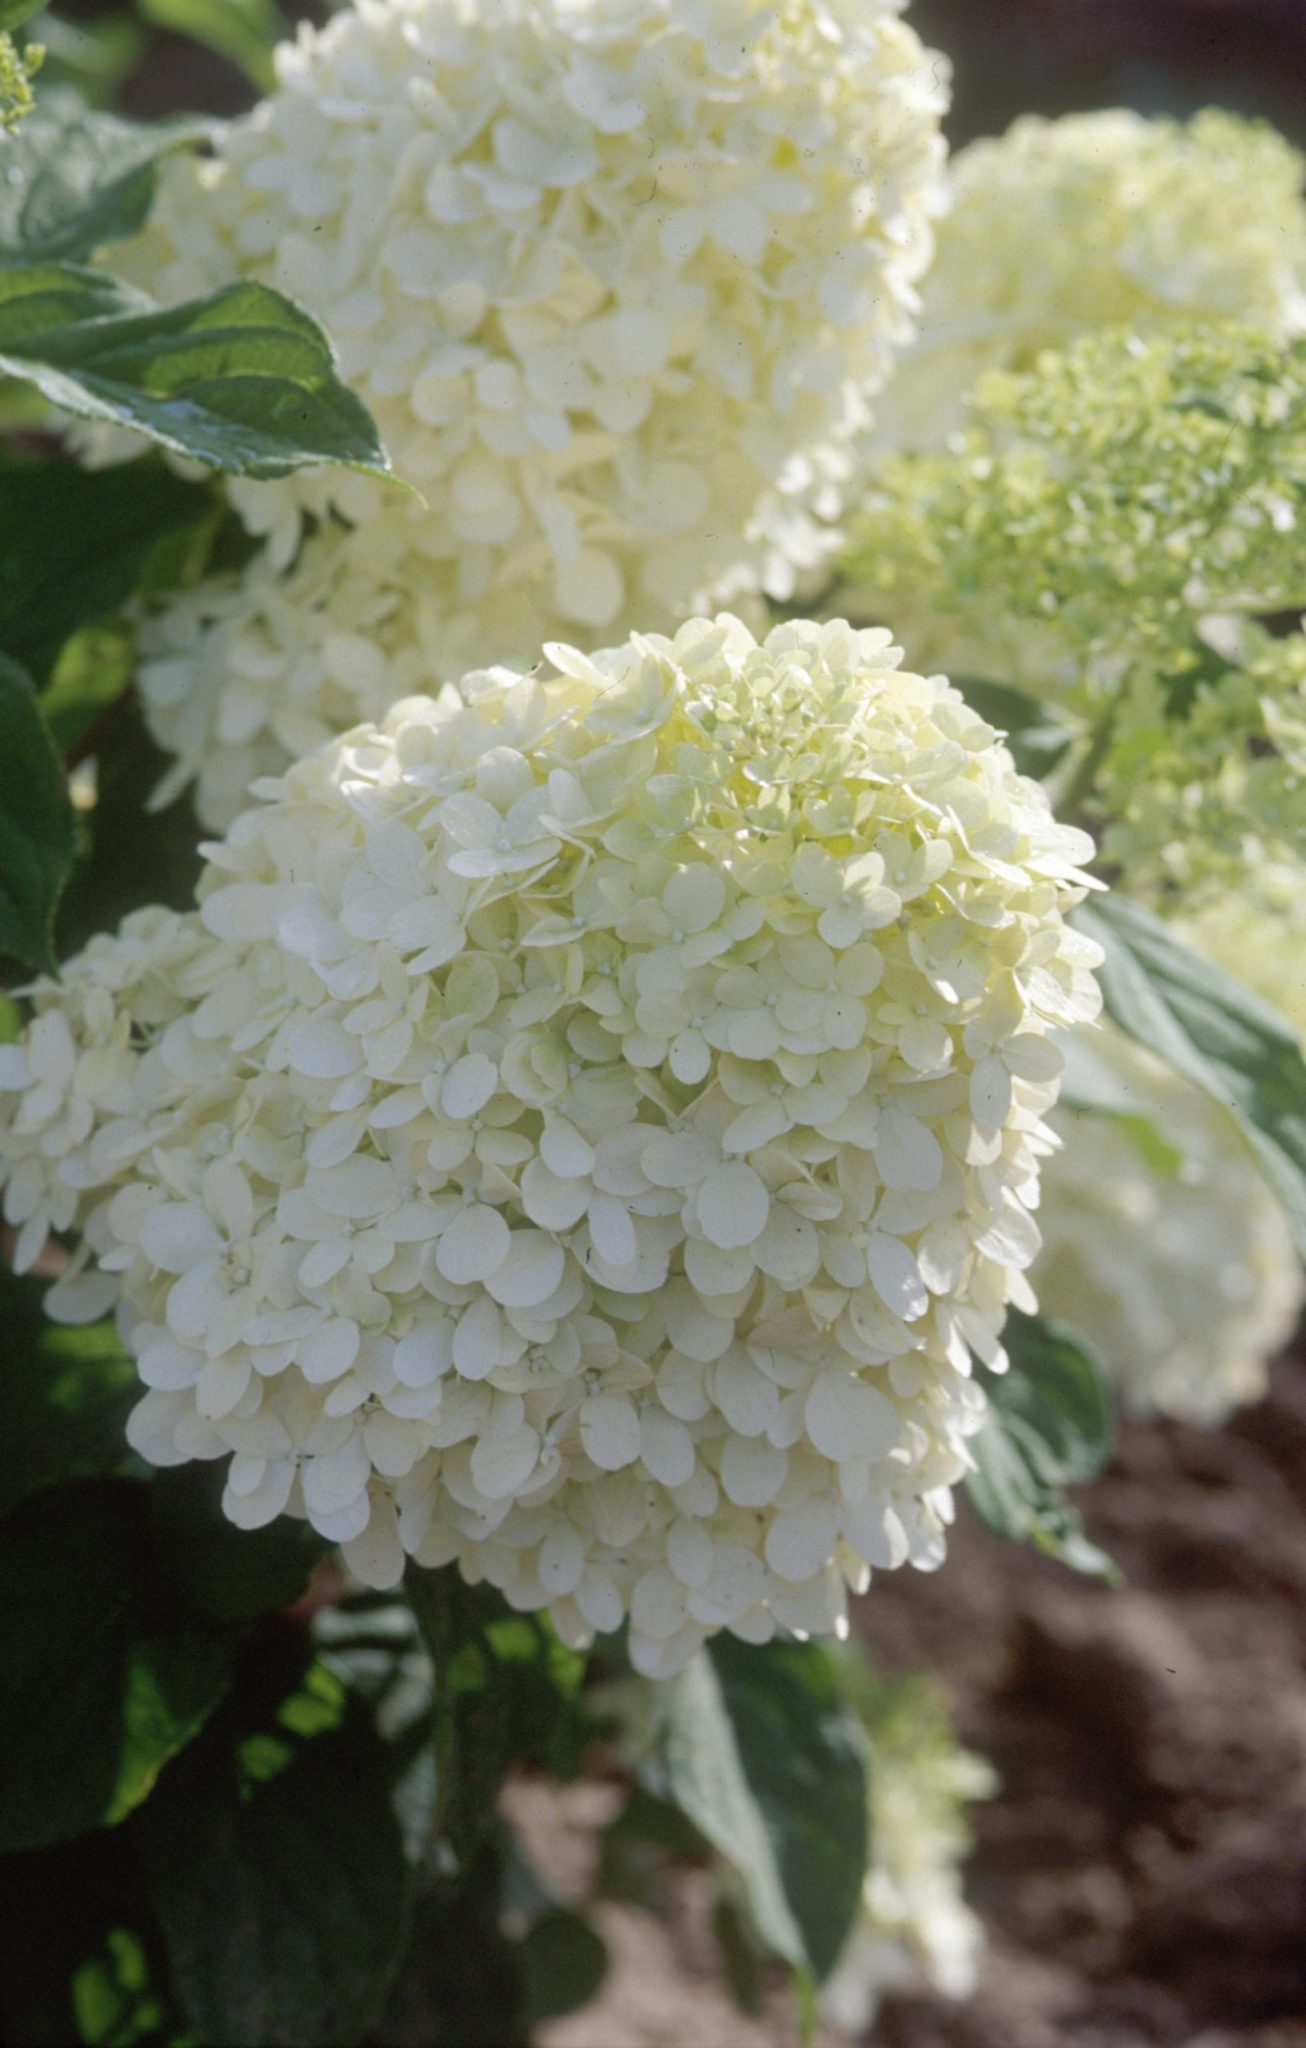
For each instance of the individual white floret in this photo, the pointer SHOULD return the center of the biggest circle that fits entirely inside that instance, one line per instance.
(595, 1121)
(1162, 1243)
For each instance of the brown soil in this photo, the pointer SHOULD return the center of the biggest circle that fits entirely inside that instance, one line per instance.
(1142, 1873)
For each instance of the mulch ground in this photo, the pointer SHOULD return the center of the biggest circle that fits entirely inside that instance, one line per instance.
(1142, 1873)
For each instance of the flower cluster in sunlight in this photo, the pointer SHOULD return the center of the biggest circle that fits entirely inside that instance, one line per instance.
(1102, 538)
(1099, 220)
(1163, 1245)
(617, 281)
(914, 1932)
(585, 1129)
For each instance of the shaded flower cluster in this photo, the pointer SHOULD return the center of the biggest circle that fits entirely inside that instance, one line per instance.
(617, 281)
(585, 1129)
(1099, 220)
(914, 1932)
(1162, 1243)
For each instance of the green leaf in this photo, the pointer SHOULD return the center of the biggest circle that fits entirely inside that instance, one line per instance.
(36, 823)
(207, 1569)
(13, 13)
(242, 379)
(74, 544)
(276, 1867)
(563, 1961)
(242, 31)
(1214, 1031)
(76, 179)
(762, 1753)
(89, 1970)
(505, 1691)
(1049, 1426)
(65, 1395)
(94, 1699)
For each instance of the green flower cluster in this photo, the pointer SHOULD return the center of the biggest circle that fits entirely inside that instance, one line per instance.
(17, 70)
(1104, 536)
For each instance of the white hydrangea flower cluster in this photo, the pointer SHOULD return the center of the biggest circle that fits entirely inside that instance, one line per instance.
(1258, 933)
(586, 1128)
(1161, 1241)
(616, 278)
(1099, 220)
(914, 1931)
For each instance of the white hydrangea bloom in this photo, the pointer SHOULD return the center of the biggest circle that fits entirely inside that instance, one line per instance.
(914, 1931)
(1258, 933)
(1161, 1241)
(617, 279)
(1099, 220)
(595, 1118)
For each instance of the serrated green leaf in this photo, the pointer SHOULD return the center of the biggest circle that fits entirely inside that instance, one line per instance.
(243, 31)
(276, 1868)
(36, 823)
(76, 179)
(762, 1753)
(94, 1697)
(242, 379)
(1049, 1426)
(74, 544)
(1213, 1031)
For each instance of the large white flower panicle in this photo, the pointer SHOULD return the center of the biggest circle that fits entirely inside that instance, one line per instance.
(617, 279)
(1162, 1242)
(1099, 220)
(602, 1120)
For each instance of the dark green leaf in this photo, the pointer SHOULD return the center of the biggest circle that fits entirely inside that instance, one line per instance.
(206, 1568)
(563, 1961)
(76, 179)
(36, 823)
(763, 1755)
(90, 672)
(136, 856)
(242, 379)
(276, 1868)
(242, 31)
(79, 1954)
(74, 544)
(1214, 1031)
(93, 1699)
(505, 1691)
(65, 1395)
(1049, 1426)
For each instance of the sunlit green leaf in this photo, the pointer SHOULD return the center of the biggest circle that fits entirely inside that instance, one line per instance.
(242, 379)
(1049, 1426)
